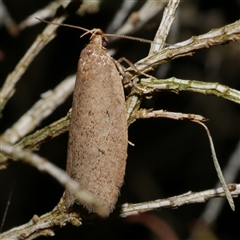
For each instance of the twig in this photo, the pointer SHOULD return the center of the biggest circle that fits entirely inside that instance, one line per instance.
(225, 34)
(213, 208)
(58, 218)
(207, 88)
(165, 25)
(43, 225)
(133, 103)
(146, 113)
(177, 201)
(37, 139)
(230, 172)
(42, 40)
(7, 207)
(218, 168)
(17, 153)
(46, 12)
(39, 111)
(34, 141)
(222, 35)
(138, 19)
(50, 10)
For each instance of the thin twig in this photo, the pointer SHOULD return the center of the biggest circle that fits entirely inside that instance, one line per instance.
(230, 171)
(222, 35)
(137, 19)
(34, 141)
(38, 226)
(7, 207)
(207, 88)
(40, 110)
(214, 208)
(225, 34)
(146, 113)
(218, 168)
(58, 218)
(37, 139)
(50, 10)
(41, 41)
(165, 25)
(17, 153)
(176, 201)
(46, 12)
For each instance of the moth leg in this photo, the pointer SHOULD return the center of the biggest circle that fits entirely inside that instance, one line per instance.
(126, 76)
(128, 80)
(123, 59)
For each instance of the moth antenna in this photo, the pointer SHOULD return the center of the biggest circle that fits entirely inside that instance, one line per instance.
(129, 37)
(65, 25)
(106, 34)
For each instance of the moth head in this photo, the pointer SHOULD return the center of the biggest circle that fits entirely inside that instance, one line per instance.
(98, 38)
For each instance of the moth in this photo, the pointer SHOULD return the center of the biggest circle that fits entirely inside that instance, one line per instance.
(98, 133)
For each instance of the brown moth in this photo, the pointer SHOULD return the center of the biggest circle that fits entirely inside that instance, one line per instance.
(98, 136)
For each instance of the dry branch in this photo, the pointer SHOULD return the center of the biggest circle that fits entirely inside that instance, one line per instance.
(222, 35)
(137, 19)
(57, 218)
(17, 153)
(225, 34)
(41, 41)
(165, 25)
(177, 201)
(49, 101)
(177, 85)
(148, 113)
(38, 138)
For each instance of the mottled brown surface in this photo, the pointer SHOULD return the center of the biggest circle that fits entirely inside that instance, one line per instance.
(97, 147)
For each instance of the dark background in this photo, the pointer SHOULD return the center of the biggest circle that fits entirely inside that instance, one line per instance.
(169, 158)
